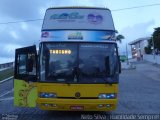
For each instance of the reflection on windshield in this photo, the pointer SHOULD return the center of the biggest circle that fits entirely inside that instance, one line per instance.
(58, 62)
(73, 62)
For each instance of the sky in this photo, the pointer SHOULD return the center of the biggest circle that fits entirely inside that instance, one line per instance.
(133, 23)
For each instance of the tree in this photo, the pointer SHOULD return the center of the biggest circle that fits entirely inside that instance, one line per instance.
(148, 49)
(156, 38)
(119, 38)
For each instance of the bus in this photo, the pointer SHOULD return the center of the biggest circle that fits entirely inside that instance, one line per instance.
(77, 65)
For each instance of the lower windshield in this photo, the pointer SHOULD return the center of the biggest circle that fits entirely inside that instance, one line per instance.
(78, 62)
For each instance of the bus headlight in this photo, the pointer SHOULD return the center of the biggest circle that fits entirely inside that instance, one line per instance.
(107, 96)
(47, 95)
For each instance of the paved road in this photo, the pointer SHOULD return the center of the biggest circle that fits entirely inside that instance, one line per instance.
(138, 94)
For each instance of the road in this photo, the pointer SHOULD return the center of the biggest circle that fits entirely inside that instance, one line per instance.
(138, 94)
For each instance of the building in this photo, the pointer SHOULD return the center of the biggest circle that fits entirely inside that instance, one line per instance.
(137, 47)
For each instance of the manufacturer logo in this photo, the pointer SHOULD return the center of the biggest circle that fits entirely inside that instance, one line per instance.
(77, 95)
(77, 36)
(94, 18)
(45, 34)
(67, 16)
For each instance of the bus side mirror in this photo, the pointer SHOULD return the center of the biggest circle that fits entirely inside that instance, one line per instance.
(30, 65)
(120, 66)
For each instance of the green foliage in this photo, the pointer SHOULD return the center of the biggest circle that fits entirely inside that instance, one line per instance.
(123, 58)
(150, 43)
(119, 38)
(156, 38)
(6, 73)
(148, 50)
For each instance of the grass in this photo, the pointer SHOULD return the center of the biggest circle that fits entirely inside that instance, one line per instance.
(6, 73)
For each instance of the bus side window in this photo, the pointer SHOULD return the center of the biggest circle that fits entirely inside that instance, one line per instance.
(26, 64)
(22, 64)
(31, 64)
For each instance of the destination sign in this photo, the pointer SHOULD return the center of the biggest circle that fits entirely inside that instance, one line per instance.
(77, 35)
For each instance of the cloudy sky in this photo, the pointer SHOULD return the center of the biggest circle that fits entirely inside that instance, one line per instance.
(133, 24)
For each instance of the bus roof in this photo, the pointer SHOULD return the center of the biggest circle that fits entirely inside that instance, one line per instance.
(82, 7)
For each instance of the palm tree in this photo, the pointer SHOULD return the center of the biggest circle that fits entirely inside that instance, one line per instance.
(119, 38)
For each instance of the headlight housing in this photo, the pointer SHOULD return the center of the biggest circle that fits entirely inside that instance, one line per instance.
(47, 95)
(107, 96)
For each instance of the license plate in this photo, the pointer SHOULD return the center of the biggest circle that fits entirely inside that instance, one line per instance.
(77, 108)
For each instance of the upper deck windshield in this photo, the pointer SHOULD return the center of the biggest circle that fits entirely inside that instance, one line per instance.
(78, 19)
(78, 62)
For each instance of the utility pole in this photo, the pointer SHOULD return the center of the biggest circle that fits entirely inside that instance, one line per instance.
(105, 5)
(153, 50)
(52, 3)
(76, 2)
(127, 54)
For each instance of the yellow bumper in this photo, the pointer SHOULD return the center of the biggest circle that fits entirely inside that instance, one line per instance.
(77, 104)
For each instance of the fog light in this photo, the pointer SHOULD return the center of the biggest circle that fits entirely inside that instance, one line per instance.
(46, 105)
(108, 106)
(100, 106)
(107, 96)
(47, 95)
(53, 105)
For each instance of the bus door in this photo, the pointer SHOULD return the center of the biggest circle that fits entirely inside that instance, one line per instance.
(25, 77)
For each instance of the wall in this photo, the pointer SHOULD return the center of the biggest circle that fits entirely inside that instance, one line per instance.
(6, 65)
(150, 58)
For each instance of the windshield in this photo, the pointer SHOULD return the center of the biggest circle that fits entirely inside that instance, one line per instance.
(78, 62)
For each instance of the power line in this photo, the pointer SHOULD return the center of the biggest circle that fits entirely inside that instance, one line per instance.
(115, 10)
(136, 7)
(32, 20)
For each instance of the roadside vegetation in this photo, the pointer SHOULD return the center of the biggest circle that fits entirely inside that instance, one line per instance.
(154, 42)
(6, 73)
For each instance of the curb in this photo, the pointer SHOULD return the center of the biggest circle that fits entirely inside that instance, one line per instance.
(6, 79)
(129, 67)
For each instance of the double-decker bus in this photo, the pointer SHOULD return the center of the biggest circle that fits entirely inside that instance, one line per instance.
(77, 65)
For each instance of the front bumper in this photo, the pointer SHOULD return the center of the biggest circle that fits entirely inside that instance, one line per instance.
(86, 104)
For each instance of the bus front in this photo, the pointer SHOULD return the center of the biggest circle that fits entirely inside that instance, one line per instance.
(78, 61)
